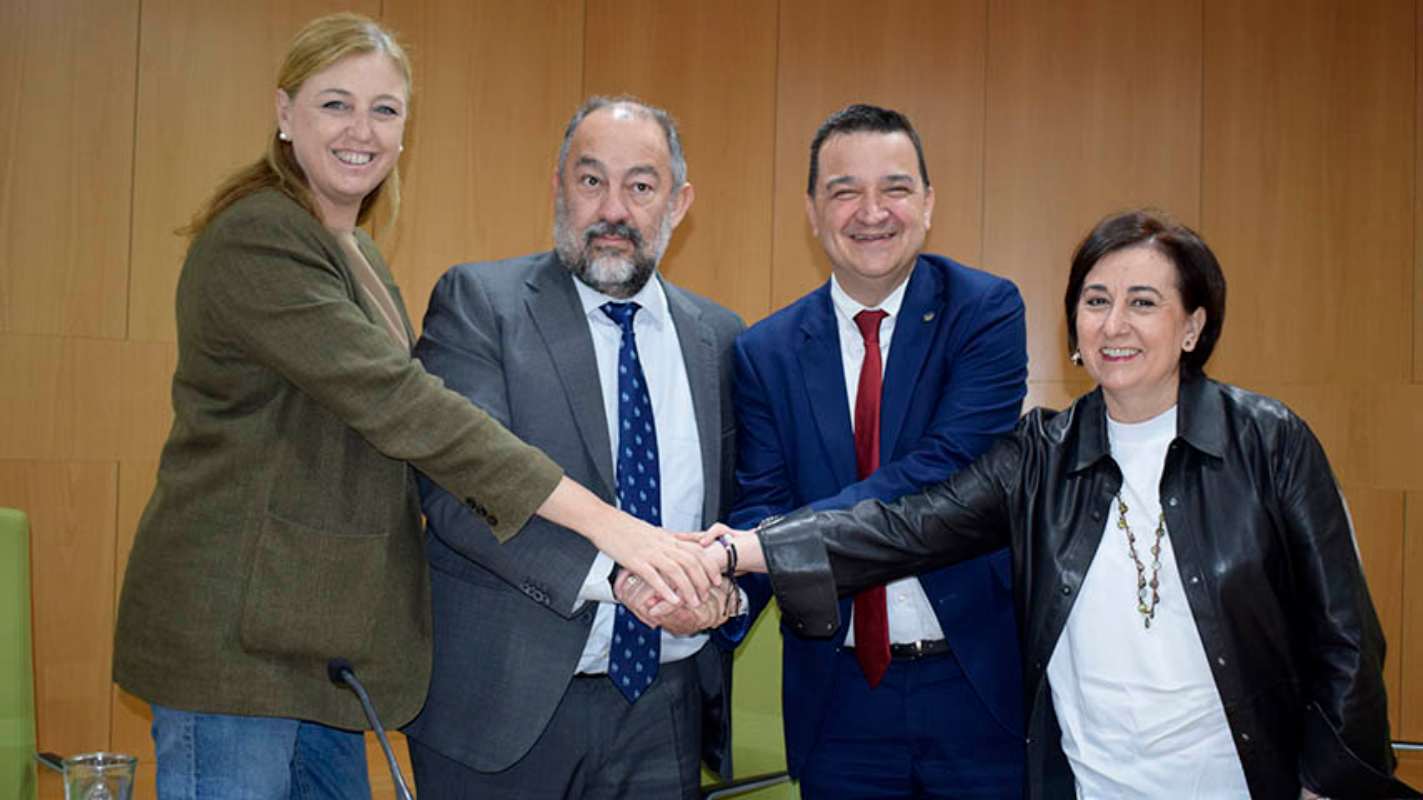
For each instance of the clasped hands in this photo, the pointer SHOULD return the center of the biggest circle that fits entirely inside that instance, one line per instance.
(720, 603)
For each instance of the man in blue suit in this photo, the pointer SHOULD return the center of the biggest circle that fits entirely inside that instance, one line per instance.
(901, 369)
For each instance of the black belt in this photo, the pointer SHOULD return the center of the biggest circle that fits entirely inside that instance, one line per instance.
(913, 651)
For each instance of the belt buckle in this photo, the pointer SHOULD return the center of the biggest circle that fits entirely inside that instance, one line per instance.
(915, 650)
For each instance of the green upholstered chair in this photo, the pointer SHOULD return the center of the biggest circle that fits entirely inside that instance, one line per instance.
(757, 747)
(17, 687)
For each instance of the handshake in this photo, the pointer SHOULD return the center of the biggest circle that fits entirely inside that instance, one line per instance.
(718, 550)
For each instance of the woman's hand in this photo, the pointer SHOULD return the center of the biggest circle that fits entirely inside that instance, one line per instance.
(749, 557)
(675, 568)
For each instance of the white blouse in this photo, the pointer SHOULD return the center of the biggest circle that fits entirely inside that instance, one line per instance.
(1139, 710)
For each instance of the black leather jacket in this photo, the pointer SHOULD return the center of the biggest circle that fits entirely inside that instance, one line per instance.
(1264, 547)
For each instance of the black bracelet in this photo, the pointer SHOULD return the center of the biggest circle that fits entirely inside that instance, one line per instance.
(730, 556)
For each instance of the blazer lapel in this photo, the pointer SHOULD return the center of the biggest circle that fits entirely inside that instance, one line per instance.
(698, 344)
(825, 386)
(919, 316)
(556, 312)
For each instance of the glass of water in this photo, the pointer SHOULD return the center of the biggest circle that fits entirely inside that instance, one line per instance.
(99, 776)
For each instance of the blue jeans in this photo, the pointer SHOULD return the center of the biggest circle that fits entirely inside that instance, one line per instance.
(223, 757)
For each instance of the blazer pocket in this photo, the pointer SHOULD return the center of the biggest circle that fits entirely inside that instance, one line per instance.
(312, 594)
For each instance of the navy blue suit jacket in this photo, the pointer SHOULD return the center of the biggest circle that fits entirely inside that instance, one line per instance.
(955, 380)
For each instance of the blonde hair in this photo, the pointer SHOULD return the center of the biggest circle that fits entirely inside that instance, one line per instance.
(323, 42)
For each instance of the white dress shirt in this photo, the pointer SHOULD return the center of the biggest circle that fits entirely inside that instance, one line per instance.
(911, 615)
(1139, 710)
(679, 450)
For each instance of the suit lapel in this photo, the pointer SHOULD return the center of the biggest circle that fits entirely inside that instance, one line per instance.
(919, 316)
(698, 345)
(553, 306)
(825, 385)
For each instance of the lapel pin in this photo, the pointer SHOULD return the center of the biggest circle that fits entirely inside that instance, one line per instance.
(928, 316)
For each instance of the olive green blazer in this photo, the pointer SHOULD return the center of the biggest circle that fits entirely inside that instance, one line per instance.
(285, 527)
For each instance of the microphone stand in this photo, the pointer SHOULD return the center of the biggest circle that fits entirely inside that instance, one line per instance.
(341, 673)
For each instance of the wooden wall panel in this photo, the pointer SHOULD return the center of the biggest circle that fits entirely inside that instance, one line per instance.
(1308, 115)
(66, 93)
(921, 57)
(71, 510)
(726, 112)
(1418, 204)
(494, 84)
(145, 398)
(131, 718)
(58, 398)
(382, 783)
(1093, 106)
(206, 105)
(1408, 649)
(1378, 526)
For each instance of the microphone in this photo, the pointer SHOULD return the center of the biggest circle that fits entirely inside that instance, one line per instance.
(341, 673)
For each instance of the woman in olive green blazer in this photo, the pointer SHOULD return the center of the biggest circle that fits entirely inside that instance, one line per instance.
(284, 530)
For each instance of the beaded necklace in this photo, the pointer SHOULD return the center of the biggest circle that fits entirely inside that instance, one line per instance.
(1145, 600)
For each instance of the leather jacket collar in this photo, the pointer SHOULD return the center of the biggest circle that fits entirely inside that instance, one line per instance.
(1200, 422)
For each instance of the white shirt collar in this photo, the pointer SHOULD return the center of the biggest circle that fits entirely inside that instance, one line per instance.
(650, 297)
(847, 307)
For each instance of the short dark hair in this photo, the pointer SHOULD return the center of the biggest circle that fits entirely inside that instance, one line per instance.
(1198, 274)
(862, 118)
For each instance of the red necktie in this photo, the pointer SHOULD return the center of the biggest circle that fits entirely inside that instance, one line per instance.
(871, 617)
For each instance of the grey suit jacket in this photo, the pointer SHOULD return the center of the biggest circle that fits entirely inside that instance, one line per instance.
(512, 336)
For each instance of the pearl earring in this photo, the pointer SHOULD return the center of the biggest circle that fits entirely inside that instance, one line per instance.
(1076, 357)
(283, 136)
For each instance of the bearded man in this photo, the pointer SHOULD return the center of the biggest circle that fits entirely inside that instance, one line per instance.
(544, 685)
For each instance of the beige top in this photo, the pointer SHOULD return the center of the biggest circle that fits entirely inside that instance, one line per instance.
(372, 286)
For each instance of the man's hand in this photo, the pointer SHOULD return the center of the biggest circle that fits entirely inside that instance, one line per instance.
(643, 600)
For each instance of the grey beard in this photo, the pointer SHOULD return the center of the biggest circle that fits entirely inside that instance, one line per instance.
(612, 274)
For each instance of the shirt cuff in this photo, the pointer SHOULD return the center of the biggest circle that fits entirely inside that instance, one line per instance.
(596, 588)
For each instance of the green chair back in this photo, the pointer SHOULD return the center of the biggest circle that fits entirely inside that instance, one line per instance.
(17, 677)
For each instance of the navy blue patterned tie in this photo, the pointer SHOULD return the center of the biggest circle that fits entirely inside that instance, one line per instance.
(636, 649)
